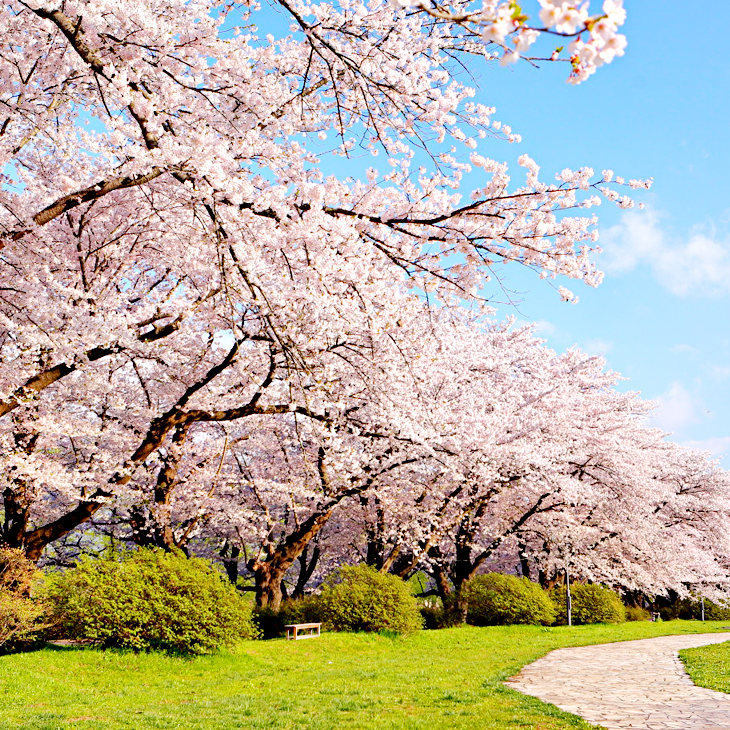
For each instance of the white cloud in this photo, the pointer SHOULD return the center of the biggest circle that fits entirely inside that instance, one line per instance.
(598, 346)
(688, 349)
(545, 328)
(698, 265)
(542, 327)
(717, 446)
(720, 372)
(676, 408)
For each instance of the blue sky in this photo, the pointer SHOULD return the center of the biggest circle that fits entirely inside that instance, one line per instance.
(661, 111)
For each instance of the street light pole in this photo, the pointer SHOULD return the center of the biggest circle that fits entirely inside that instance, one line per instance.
(568, 600)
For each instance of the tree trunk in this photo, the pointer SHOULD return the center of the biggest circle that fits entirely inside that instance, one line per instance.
(547, 582)
(15, 522)
(270, 572)
(231, 563)
(524, 560)
(306, 568)
(268, 585)
(166, 480)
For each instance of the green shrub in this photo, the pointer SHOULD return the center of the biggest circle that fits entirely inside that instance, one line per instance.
(17, 573)
(498, 599)
(358, 598)
(269, 624)
(690, 608)
(441, 617)
(304, 610)
(634, 613)
(22, 616)
(591, 604)
(714, 611)
(150, 600)
(682, 608)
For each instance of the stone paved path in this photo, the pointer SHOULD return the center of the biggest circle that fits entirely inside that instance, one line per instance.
(632, 684)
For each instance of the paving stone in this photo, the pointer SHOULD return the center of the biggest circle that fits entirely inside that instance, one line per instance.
(638, 685)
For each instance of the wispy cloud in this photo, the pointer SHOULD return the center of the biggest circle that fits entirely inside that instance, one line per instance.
(697, 265)
(717, 446)
(720, 372)
(545, 328)
(676, 408)
(598, 346)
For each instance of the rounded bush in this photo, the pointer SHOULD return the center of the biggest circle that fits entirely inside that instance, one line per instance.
(148, 600)
(591, 604)
(358, 598)
(691, 608)
(496, 599)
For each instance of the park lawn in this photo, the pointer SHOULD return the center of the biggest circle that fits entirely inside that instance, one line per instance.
(709, 666)
(434, 680)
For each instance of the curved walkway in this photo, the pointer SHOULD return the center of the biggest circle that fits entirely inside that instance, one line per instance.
(632, 684)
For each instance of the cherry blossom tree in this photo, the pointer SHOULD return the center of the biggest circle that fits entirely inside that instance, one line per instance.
(178, 255)
(540, 460)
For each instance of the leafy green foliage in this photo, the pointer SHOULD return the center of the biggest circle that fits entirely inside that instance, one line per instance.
(715, 611)
(150, 600)
(358, 598)
(271, 624)
(498, 599)
(690, 608)
(304, 610)
(682, 608)
(268, 623)
(591, 604)
(22, 621)
(22, 617)
(17, 573)
(637, 614)
(442, 616)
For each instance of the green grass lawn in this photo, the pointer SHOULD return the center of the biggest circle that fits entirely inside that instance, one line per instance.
(709, 666)
(434, 680)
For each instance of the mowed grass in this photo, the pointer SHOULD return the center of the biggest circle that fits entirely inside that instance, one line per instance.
(709, 666)
(435, 680)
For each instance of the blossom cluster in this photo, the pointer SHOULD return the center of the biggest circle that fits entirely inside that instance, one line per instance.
(595, 37)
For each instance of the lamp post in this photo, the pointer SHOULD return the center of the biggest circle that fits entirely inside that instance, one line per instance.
(568, 600)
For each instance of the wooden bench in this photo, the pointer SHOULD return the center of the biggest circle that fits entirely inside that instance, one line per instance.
(302, 631)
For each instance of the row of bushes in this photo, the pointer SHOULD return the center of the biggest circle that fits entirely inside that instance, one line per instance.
(505, 599)
(363, 600)
(155, 600)
(688, 608)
